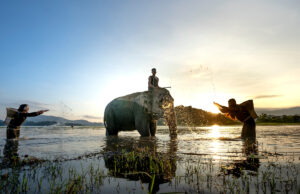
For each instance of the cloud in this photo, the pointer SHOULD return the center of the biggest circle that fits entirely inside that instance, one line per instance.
(267, 96)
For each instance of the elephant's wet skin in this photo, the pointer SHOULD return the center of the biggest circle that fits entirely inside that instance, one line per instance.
(122, 115)
(139, 160)
(140, 111)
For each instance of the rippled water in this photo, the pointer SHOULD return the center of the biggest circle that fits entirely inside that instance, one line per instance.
(220, 145)
(218, 141)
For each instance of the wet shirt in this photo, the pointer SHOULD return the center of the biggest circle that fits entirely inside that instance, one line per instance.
(17, 121)
(242, 115)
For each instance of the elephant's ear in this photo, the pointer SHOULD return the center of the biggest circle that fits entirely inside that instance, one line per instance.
(144, 101)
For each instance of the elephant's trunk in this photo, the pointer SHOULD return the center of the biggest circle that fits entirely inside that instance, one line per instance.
(170, 117)
(172, 123)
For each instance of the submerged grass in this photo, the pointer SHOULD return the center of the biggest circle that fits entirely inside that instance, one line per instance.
(126, 165)
(189, 174)
(270, 178)
(52, 178)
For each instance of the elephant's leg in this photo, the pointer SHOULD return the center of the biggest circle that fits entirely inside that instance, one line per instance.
(143, 126)
(153, 125)
(110, 124)
(111, 131)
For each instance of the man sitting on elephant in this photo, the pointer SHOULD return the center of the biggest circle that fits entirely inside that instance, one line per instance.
(153, 80)
(153, 83)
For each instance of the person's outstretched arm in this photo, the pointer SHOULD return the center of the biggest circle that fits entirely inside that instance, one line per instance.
(32, 114)
(223, 109)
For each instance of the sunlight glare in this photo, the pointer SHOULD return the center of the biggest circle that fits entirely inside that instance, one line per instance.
(214, 132)
(207, 101)
(215, 143)
(212, 108)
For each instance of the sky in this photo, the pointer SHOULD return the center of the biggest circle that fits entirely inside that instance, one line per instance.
(74, 57)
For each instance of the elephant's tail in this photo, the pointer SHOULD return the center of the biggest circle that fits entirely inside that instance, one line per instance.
(105, 118)
(109, 121)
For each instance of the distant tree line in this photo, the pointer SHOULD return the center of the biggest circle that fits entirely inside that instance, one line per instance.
(264, 118)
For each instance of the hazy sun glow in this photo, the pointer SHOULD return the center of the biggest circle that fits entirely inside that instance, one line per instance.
(206, 101)
(211, 108)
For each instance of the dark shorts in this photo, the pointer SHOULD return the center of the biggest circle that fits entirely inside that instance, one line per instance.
(12, 133)
(249, 131)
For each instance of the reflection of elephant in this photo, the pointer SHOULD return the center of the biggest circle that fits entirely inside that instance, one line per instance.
(140, 111)
(138, 159)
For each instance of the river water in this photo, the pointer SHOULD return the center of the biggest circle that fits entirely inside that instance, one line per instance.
(218, 141)
(218, 147)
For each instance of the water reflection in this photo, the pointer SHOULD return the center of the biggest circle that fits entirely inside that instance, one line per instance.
(10, 153)
(214, 132)
(138, 159)
(250, 163)
(215, 145)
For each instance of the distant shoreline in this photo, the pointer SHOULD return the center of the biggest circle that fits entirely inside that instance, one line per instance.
(238, 124)
(274, 124)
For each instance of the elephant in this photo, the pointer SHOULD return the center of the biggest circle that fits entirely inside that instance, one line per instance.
(140, 111)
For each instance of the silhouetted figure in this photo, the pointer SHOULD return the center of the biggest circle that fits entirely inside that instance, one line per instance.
(13, 127)
(243, 112)
(153, 83)
(153, 80)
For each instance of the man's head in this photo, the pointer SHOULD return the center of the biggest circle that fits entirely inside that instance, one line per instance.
(231, 103)
(153, 71)
(23, 108)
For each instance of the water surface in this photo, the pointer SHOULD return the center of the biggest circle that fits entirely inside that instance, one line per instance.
(189, 163)
(218, 141)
